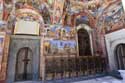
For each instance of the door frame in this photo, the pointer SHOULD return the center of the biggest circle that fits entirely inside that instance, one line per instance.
(17, 42)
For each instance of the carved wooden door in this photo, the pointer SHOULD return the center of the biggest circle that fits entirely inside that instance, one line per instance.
(24, 65)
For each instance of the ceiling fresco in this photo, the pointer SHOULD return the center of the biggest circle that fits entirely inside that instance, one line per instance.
(99, 14)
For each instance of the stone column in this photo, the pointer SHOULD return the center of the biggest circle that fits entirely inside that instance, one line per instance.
(5, 58)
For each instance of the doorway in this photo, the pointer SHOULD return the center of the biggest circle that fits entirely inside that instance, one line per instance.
(24, 58)
(120, 56)
(24, 64)
(84, 43)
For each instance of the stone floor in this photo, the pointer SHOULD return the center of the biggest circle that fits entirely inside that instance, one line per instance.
(106, 79)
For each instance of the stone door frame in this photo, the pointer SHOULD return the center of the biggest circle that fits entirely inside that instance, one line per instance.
(112, 40)
(17, 42)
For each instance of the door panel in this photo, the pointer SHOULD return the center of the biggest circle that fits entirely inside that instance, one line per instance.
(24, 65)
(120, 56)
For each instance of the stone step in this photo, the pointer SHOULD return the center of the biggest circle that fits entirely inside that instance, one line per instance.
(67, 80)
(28, 82)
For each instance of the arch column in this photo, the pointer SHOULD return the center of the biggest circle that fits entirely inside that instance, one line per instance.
(91, 43)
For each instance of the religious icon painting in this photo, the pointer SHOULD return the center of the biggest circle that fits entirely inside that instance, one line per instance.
(46, 46)
(7, 9)
(58, 10)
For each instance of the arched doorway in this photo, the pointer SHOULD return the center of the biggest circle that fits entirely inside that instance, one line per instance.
(24, 65)
(120, 56)
(84, 43)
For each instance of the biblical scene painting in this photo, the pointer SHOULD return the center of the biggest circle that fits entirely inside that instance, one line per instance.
(59, 33)
(58, 10)
(59, 48)
(59, 41)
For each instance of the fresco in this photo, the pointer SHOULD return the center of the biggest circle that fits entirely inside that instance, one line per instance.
(1, 48)
(1, 9)
(59, 40)
(7, 9)
(58, 10)
(59, 32)
(114, 19)
(59, 48)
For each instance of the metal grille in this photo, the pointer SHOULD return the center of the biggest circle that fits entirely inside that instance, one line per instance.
(67, 67)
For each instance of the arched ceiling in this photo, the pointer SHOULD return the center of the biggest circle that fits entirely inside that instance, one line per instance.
(104, 11)
(94, 11)
(112, 16)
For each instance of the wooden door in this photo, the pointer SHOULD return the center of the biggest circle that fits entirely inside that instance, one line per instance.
(24, 65)
(120, 56)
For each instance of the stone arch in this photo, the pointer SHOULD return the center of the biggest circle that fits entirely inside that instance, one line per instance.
(91, 18)
(16, 15)
(30, 11)
(84, 26)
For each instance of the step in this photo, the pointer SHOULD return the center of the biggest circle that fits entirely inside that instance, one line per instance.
(28, 82)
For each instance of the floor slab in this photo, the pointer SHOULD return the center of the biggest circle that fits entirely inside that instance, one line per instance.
(106, 79)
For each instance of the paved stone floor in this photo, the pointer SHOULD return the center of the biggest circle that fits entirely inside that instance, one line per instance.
(106, 79)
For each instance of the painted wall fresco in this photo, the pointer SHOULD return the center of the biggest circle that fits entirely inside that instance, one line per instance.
(58, 10)
(59, 48)
(57, 32)
(113, 20)
(1, 9)
(59, 41)
(2, 37)
(8, 6)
